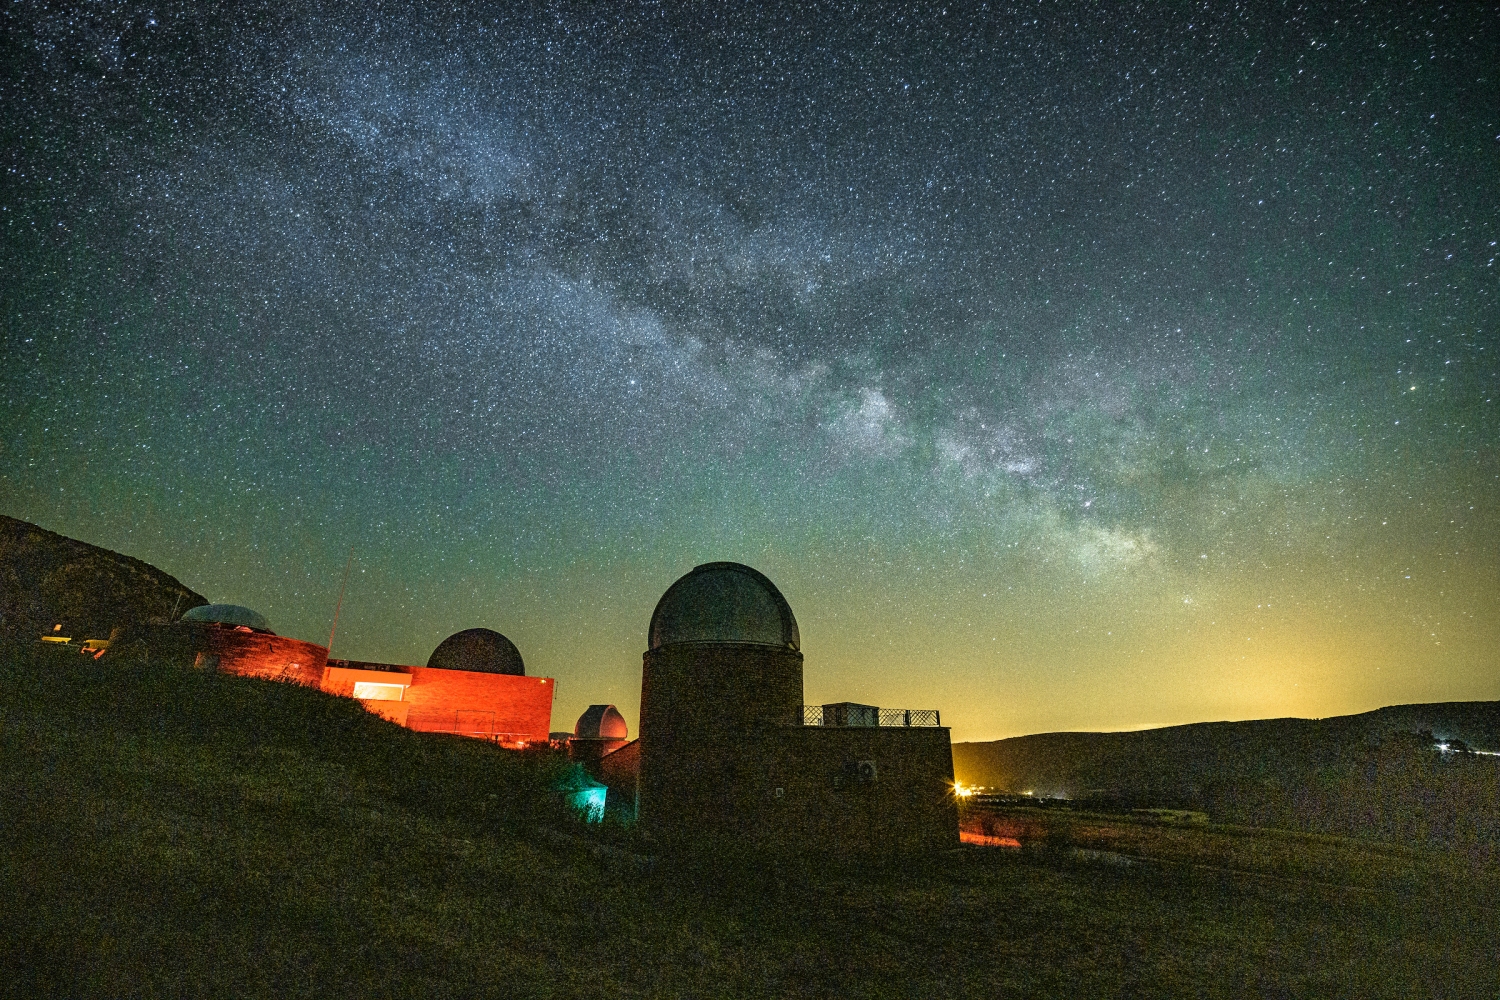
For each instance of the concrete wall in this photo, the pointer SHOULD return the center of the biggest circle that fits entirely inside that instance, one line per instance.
(905, 803)
(588, 751)
(721, 732)
(619, 771)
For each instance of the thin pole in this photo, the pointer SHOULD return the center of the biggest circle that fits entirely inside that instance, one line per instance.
(339, 606)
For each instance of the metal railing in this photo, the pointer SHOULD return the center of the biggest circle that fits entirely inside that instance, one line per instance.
(884, 718)
(492, 737)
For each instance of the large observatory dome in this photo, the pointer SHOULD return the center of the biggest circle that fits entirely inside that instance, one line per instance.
(227, 614)
(478, 649)
(724, 602)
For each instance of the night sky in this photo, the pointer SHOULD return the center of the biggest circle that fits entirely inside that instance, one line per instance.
(1096, 369)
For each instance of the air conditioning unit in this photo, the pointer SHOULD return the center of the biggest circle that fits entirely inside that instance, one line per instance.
(862, 772)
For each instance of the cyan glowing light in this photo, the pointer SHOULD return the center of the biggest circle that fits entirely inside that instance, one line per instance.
(589, 802)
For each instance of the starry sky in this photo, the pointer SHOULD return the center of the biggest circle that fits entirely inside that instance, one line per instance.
(1067, 368)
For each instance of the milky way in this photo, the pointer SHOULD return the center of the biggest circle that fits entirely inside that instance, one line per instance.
(1094, 369)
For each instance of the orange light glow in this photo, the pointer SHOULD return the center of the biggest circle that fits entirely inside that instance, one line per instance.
(985, 840)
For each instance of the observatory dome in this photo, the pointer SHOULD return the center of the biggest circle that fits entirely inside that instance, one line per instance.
(724, 602)
(601, 722)
(227, 614)
(478, 649)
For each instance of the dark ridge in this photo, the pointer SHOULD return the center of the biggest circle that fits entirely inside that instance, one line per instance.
(47, 579)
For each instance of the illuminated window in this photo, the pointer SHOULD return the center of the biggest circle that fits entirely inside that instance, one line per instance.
(371, 691)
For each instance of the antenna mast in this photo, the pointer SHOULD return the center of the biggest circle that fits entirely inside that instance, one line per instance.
(339, 606)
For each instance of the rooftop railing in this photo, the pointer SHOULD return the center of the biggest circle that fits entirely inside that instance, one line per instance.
(868, 716)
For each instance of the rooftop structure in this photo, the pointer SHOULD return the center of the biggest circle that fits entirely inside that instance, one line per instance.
(601, 722)
(600, 730)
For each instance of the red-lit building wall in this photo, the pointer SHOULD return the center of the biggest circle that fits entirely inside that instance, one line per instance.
(500, 707)
(489, 706)
(388, 684)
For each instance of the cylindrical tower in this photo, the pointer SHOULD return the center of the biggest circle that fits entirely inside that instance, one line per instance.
(724, 660)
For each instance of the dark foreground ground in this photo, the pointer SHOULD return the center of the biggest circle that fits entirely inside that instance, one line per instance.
(175, 834)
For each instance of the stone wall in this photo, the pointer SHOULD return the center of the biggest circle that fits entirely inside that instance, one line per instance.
(207, 646)
(858, 789)
(697, 687)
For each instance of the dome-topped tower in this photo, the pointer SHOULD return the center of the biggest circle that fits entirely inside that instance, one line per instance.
(723, 655)
(724, 602)
(724, 665)
(722, 754)
(478, 649)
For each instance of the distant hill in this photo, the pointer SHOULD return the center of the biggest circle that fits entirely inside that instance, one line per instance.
(1379, 774)
(47, 579)
(1177, 758)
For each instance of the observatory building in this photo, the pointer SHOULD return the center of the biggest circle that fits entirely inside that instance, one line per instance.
(474, 683)
(600, 730)
(726, 749)
(233, 639)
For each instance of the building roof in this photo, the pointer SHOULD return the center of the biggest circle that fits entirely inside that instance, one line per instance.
(227, 614)
(601, 722)
(724, 602)
(479, 649)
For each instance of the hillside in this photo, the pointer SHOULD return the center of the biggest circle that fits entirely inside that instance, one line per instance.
(177, 833)
(47, 579)
(1372, 774)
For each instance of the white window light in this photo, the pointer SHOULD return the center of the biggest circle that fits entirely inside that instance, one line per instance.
(371, 691)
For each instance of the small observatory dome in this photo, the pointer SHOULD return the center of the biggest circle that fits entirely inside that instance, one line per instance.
(601, 722)
(227, 614)
(480, 649)
(724, 602)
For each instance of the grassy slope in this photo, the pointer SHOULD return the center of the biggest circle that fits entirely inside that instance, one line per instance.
(170, 833)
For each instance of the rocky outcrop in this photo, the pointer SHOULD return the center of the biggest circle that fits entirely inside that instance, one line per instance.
(47, 579)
